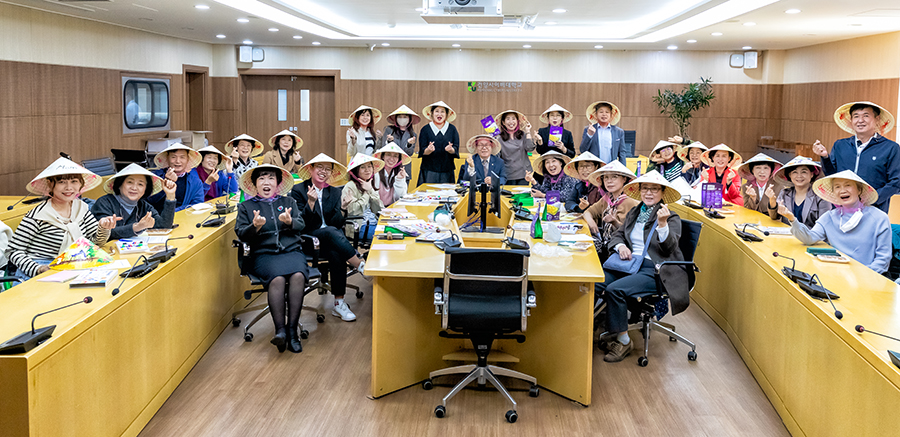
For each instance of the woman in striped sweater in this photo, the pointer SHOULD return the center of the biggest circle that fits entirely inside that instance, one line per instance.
(54, 224)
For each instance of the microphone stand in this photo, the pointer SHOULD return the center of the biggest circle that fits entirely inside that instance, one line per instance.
(28, 340)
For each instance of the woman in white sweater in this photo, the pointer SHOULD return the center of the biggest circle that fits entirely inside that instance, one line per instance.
(362, 136)
(391, 181)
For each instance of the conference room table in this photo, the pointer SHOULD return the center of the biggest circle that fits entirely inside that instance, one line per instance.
(12, 217)
(821, 375)
(111, 364)
(405, 342)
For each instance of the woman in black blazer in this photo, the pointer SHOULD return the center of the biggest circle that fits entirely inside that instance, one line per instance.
(555, 116)
(650, 234)
(319, 198)
(270, 222)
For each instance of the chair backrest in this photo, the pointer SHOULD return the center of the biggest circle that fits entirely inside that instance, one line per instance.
(690, 236)
(100, 166)
(485, 290)
(630, 141)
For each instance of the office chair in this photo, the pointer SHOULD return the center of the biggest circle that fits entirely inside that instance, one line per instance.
(657, 305)
(313, 283)
(484, 296)
(100, 166)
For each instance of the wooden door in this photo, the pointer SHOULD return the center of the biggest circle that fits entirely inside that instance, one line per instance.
(318, 132)
(262, 106)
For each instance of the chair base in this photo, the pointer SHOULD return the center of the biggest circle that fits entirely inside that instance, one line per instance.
(482, 375)
(647, 325)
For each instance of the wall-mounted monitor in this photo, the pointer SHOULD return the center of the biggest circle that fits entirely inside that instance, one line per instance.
(145, 105)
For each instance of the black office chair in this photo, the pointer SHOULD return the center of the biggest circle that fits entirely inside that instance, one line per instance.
(100, 166)
(657, 305)
(313, 283)
(484, 295)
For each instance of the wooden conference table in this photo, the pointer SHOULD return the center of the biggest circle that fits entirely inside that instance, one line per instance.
(405, 343)
(12, 217)
(111, 364)
(822, 377)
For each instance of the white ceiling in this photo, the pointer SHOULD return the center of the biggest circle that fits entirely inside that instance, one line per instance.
(614, 24)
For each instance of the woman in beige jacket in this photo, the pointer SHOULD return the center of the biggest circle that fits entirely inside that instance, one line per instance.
(608, 214)
(285, 151)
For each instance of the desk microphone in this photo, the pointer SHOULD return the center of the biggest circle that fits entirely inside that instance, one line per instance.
(895, 357)
(748, 236)
(212, 222)
(28, 340)
(837, 313)
(691, 203)
(515, 243)
(713, 214)
(167, 254)
(27, 202)
(792, 273)
(136, 271)
(227, 207)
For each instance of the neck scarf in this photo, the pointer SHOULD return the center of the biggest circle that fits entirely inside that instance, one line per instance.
(644, 215)
(127, 204)
(258, 198)
(70, 226)
(612, 203)
(554, 179)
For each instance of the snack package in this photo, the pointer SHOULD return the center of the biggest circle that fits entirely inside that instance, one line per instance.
(556, 134)
(490, 126)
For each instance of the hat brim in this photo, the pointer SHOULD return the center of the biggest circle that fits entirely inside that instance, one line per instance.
(670, 194)
(157, 181)
(495, 144)
(824, 188)
(782, 175)
(258, 147)
(40, 186)
(614, 118)
(545, 116)
(451, 114)
(162, 158)
(538, 164)
(571, 167)
(249, 189)
(842, 118)
(338, 176)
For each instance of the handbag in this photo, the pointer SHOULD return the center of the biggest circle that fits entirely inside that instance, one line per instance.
(617, 264)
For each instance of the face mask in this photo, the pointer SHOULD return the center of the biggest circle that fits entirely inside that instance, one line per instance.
(402, 121)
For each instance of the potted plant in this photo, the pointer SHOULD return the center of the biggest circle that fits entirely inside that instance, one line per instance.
(680, 106)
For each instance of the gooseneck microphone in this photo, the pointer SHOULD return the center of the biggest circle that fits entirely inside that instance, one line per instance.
(87, 299)
(792, 273)
(861, 329)
(28, 340)
(167, 254)
(749, 236)
(690, 203)
(136, 271)
(212, 222)
(27, 202)
(815, 278)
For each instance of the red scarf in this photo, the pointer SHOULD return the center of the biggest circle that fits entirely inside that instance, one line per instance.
(211, 193)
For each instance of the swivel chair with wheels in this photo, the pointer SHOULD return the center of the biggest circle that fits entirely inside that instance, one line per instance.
(656, 306)
(313, 283)
(484, 296)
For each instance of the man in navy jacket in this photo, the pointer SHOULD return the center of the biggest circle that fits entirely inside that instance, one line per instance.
(486, 148)
(603, 138)
(873, 157)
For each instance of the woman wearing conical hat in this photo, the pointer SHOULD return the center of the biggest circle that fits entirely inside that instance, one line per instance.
(270, 222)
(216, 170)
(797, 177)
(285, 151)
(362, 136)
(586, 193)
(664, 158)
(438, 145)
(242, 149)
(401, 130)
(761, 187)
(691, 154)
(319, 198)
(867, 153)
(608, 214)
(128, 192)
(854, 227)
(359, 197)
(723, 162)
(54, 224)
(391, 182)
(555, 116)
(515, 141)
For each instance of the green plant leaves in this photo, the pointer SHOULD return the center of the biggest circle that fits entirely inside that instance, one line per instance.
(681, 106)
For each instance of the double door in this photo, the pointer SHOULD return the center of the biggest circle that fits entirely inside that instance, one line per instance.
(304, 105)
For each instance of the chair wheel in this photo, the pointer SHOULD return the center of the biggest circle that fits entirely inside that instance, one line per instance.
(440, 411)
(248, 294)
(534, 391)
(427, 384)
(359, 294)
(235, 322)
(248, 336)
(511, 416)
(673, 339)
(320, 318)
(692, 356)
(304, 334)
(642, 361)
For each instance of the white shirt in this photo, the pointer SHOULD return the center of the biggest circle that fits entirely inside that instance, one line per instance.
(442, 130)
(637, 239)
(605, 142)
(319, 200)
(859, 148)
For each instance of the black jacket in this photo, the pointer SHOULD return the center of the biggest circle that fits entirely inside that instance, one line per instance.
(567, 141)
(274, 236)
(330, 210)
(109, 205)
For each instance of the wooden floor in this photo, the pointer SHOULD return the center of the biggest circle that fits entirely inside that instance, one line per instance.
(249, 389)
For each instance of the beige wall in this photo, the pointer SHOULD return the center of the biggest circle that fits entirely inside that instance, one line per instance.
(871, 57)
(29, 35)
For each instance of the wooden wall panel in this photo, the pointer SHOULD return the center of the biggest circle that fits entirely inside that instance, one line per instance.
(17, 150)
(16, 81)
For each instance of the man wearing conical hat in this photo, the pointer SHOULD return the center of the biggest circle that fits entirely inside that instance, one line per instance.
(602, 137)
(867, 153)
(176, 163)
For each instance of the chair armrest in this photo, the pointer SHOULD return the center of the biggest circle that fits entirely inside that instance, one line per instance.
(439, 300)
(311, 247)
(10, 279)
(677, 263)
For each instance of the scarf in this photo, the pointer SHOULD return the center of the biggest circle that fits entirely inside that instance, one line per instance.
(127, 204)
(266, 200)
(614, 203)
(593, 193)
(855, 211)
(70, 226)
(644, 215)
(554, 179)
(211, 193)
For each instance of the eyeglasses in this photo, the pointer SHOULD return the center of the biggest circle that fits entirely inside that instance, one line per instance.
(321, 168)
(652, 189)
(482, 145)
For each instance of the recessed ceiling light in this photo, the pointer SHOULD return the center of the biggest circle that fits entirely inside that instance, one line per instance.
(746, 48)
(455, 45)
(598, 47)
(749, 23)
(248, 42)
(243, 20)
(273, 29)
(202, 7)
(716, 34)
(550, 23)
(792, 11)
(220, 36)
(672, 47)
(691, 41)
(559, 11)
(420, 9)
(316, 43)
(526, 46)
(298, 37)
(385, 44)
(855, 24)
